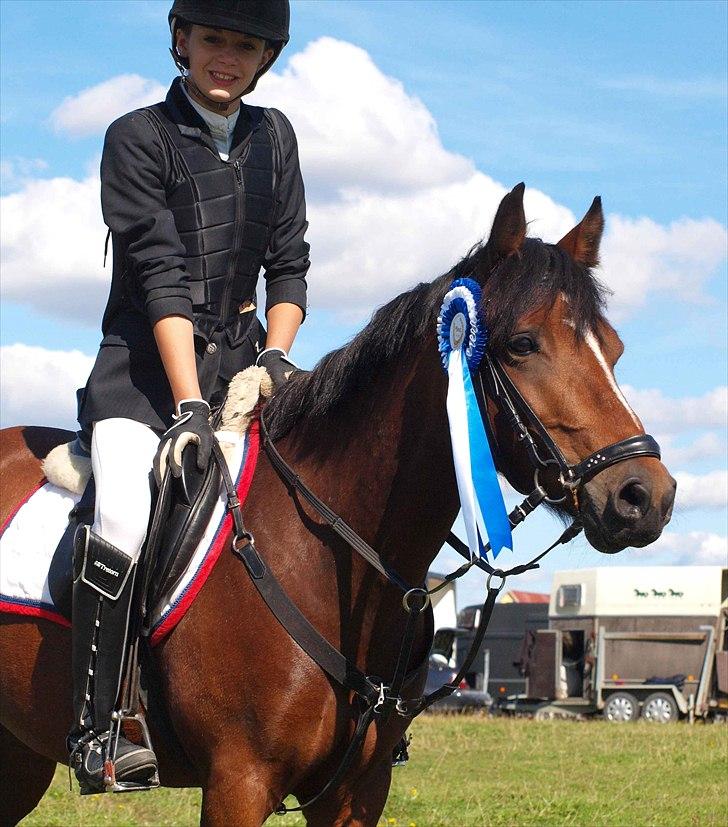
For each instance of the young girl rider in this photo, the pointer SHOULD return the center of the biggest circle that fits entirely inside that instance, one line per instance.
(199, 193)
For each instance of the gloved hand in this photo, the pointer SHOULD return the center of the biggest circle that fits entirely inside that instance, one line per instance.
(191, 425)
(275, 360)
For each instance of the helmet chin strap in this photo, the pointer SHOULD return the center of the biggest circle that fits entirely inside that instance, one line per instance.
(217, 106)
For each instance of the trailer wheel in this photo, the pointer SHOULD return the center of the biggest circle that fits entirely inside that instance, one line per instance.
(621, 707)
(660, 708)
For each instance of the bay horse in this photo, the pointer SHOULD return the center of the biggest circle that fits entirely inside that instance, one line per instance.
(367, 430)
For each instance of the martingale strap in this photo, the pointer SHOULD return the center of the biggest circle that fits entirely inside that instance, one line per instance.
(340, 526)
(376, 700)
(299, 628)
(450, 687)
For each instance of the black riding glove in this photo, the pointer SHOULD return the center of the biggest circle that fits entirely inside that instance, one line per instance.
(275, 360)
(191, 425)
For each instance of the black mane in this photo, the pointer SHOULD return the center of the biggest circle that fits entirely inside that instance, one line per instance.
(524, 282)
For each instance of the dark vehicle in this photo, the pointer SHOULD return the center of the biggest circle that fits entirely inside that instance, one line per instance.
(499, 666)
(463, 698)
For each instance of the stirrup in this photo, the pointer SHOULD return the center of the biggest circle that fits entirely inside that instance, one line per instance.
(111, 785)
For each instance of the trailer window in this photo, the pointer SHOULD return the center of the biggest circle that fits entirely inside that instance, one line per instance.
(443, 643)
(569, 597)
(469, 617)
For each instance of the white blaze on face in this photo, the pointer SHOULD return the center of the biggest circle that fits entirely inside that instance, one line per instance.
(593, 344)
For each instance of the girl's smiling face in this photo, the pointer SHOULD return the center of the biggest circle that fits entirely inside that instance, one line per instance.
(222, 63)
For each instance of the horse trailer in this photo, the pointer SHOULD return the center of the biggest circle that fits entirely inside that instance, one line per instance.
(630, 642)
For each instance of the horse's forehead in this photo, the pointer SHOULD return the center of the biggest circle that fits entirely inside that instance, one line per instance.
(554, 313)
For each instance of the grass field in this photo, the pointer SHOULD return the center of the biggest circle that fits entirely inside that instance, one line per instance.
(480, 771)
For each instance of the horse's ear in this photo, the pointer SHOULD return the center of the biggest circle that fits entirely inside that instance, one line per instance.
(509, 226)
(582, 243)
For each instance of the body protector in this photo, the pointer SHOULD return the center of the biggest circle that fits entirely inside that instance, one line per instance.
(223, 213)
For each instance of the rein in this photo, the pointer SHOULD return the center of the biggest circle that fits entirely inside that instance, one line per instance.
(377, 699)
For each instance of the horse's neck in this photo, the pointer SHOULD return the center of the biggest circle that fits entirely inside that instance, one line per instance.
(385, 465)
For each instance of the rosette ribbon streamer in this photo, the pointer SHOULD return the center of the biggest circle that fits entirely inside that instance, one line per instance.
(462, 338)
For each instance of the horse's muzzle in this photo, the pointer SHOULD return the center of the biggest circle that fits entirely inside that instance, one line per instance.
(628, 504)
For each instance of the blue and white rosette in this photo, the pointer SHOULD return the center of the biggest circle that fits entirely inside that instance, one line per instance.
(462, 338)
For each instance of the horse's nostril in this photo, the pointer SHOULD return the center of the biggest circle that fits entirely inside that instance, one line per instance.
(633, 500)
(668, 501)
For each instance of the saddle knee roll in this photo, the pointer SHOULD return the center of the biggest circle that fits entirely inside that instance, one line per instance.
(99, 564)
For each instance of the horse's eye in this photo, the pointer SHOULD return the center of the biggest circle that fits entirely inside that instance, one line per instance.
(522, 345)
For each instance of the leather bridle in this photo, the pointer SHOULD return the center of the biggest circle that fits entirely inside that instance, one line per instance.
(571, 477)
(379, 699)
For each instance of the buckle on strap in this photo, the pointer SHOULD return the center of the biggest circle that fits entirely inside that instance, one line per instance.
(386, 702)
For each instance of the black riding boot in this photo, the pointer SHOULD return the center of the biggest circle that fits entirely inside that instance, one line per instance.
(102, 591)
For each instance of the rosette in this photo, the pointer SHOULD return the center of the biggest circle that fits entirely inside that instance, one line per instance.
(462, 339)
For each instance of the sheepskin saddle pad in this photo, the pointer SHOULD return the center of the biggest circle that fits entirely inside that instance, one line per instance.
(36, 540)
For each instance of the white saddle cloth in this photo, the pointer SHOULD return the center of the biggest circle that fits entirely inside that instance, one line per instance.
(31, 535)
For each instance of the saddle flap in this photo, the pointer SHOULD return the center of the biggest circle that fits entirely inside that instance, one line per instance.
(194, 495)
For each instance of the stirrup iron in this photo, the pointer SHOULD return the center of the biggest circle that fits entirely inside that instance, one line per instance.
(111, 785)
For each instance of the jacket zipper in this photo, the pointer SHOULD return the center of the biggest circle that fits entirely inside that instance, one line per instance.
(239, 220)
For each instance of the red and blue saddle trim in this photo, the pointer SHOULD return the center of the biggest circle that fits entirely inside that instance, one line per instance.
(22, 606)
(176, 612)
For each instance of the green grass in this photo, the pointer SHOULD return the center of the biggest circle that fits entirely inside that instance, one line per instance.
(480, 771)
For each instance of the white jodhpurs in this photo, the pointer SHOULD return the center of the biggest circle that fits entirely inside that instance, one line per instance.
(122, 451)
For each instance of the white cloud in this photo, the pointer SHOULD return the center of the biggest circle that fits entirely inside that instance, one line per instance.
(389, 205)
(93, 109)
(51, 243)
(701, 490)
(39, 385)
(641, 257)
(358, 128)
(708, 445)
(693, 548)
(673, 415)
(15, 171)
(370, 246)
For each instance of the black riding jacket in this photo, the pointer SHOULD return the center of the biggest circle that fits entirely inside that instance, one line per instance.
(190, 235)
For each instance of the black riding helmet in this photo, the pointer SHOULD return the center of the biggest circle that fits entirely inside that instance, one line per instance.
(267, 19)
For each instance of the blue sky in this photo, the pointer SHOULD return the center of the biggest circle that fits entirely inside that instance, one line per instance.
(624, 99)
